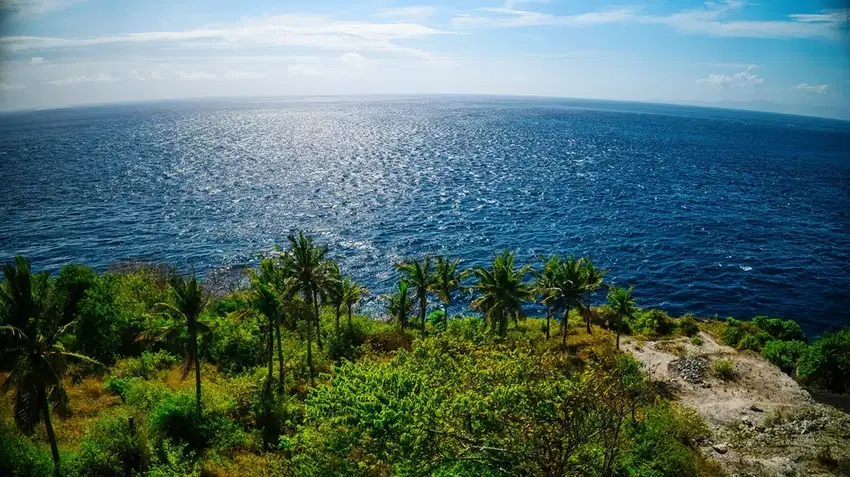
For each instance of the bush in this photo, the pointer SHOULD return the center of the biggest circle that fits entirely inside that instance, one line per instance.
(784, 354)
(754, 341)
(473, 330)
(71, 286)
(145, 366)
(437, 318)
(21, 458)
(650, 323)
(723, 369)
(97, 332)
(113, 446)
(236, 343)
(784, 330)
(827, 362)
(688, 326)
(176, 418)
(661, 443)
(696, 340)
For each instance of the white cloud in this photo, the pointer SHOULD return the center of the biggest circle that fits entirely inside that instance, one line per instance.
(244, 75)
(198, 75)
(292, 30)
(101, 78)
(712, 20)
(811, 88)
(503, 17)
(36, 60)
(156, 75)
(10, 87)
(354, 59)
(303, 70)
(27, 8)
(744, 79)
(410, 13)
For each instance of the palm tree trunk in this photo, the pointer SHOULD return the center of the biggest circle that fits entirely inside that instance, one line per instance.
(318, 324)
(446, 313)
(423, 303)
(564, 323)
(548, 320)
(337, 319)
(310, 349)
(51, 436)
(619, 320)
(587, 318)
(194, 351)
(279, 355)
(271, 357)
(350, 326)
(503, 325)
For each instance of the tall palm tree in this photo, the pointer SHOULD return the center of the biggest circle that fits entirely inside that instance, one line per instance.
(623, 304)
(351, 292)
(417, 273)
(400, 304)
(571, 286)
(308, 263)
(189, 302)
(445, 281)
(266, 301)
(592, 282)
(501, 290)
(545, 287)
(30, 319)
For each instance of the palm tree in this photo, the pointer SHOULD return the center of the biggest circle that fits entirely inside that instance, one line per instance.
(501, 290)
(351, 293)
(592, 282)
(571, 286)
(623, 304)
(546, 287)
(189, 302)
(30, 319)
(334, 291)
(445, 281)
(400, 303)
(308, 262)
(418, 275)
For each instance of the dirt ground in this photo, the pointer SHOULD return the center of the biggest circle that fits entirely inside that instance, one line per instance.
(762, 421)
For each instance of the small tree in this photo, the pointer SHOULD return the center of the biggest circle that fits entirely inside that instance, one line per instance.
(623, 304)
(446, 281)
(351, 296)
(399, 304)
(501, 291)
(418, 275)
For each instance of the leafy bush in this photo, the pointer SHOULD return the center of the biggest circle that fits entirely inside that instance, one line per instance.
(113, 446)
(176, 418)
(784, 330)
(21, 458)
(723, 369)
(688, 326)
(660, 444)
(173, 460)
(754, 341)
(236, 343)
(145, 366)
(71, 286)
(784, 354)
(827, 362)
(650, 323)
(472, 330)
(696, 340)
(437, 319)
(97, 333)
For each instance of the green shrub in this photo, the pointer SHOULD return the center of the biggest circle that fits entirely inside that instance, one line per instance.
(176, 418)
(723, 369)
(172, 460)
(754, 341)
(97, 333)
(236, 343)
(784, 330)
(71, 286)
(696, 340)
(826, 362)
(661, 443)
(650, 323)
(688, 326)
(145, 366)
(19, 457)
(437, 319)
(113, 446)
(784, 354)
(473, 330)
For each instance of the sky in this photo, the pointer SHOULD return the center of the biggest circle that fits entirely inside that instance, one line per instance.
(778, 55)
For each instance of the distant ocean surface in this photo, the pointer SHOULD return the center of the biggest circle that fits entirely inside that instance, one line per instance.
(705, 211)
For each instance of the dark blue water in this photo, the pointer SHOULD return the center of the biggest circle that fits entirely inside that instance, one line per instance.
(703, 210)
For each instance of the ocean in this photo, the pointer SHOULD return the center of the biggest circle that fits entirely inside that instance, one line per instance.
(707, 211)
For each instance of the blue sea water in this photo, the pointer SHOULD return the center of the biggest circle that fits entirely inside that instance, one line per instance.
(706, 211)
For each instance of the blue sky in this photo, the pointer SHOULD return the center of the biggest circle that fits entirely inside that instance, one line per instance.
(791, 56)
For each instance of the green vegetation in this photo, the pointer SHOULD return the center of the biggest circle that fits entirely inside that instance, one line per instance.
(723, 369)
(283, 387)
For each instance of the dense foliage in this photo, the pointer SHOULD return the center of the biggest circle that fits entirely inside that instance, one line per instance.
(288, 380)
